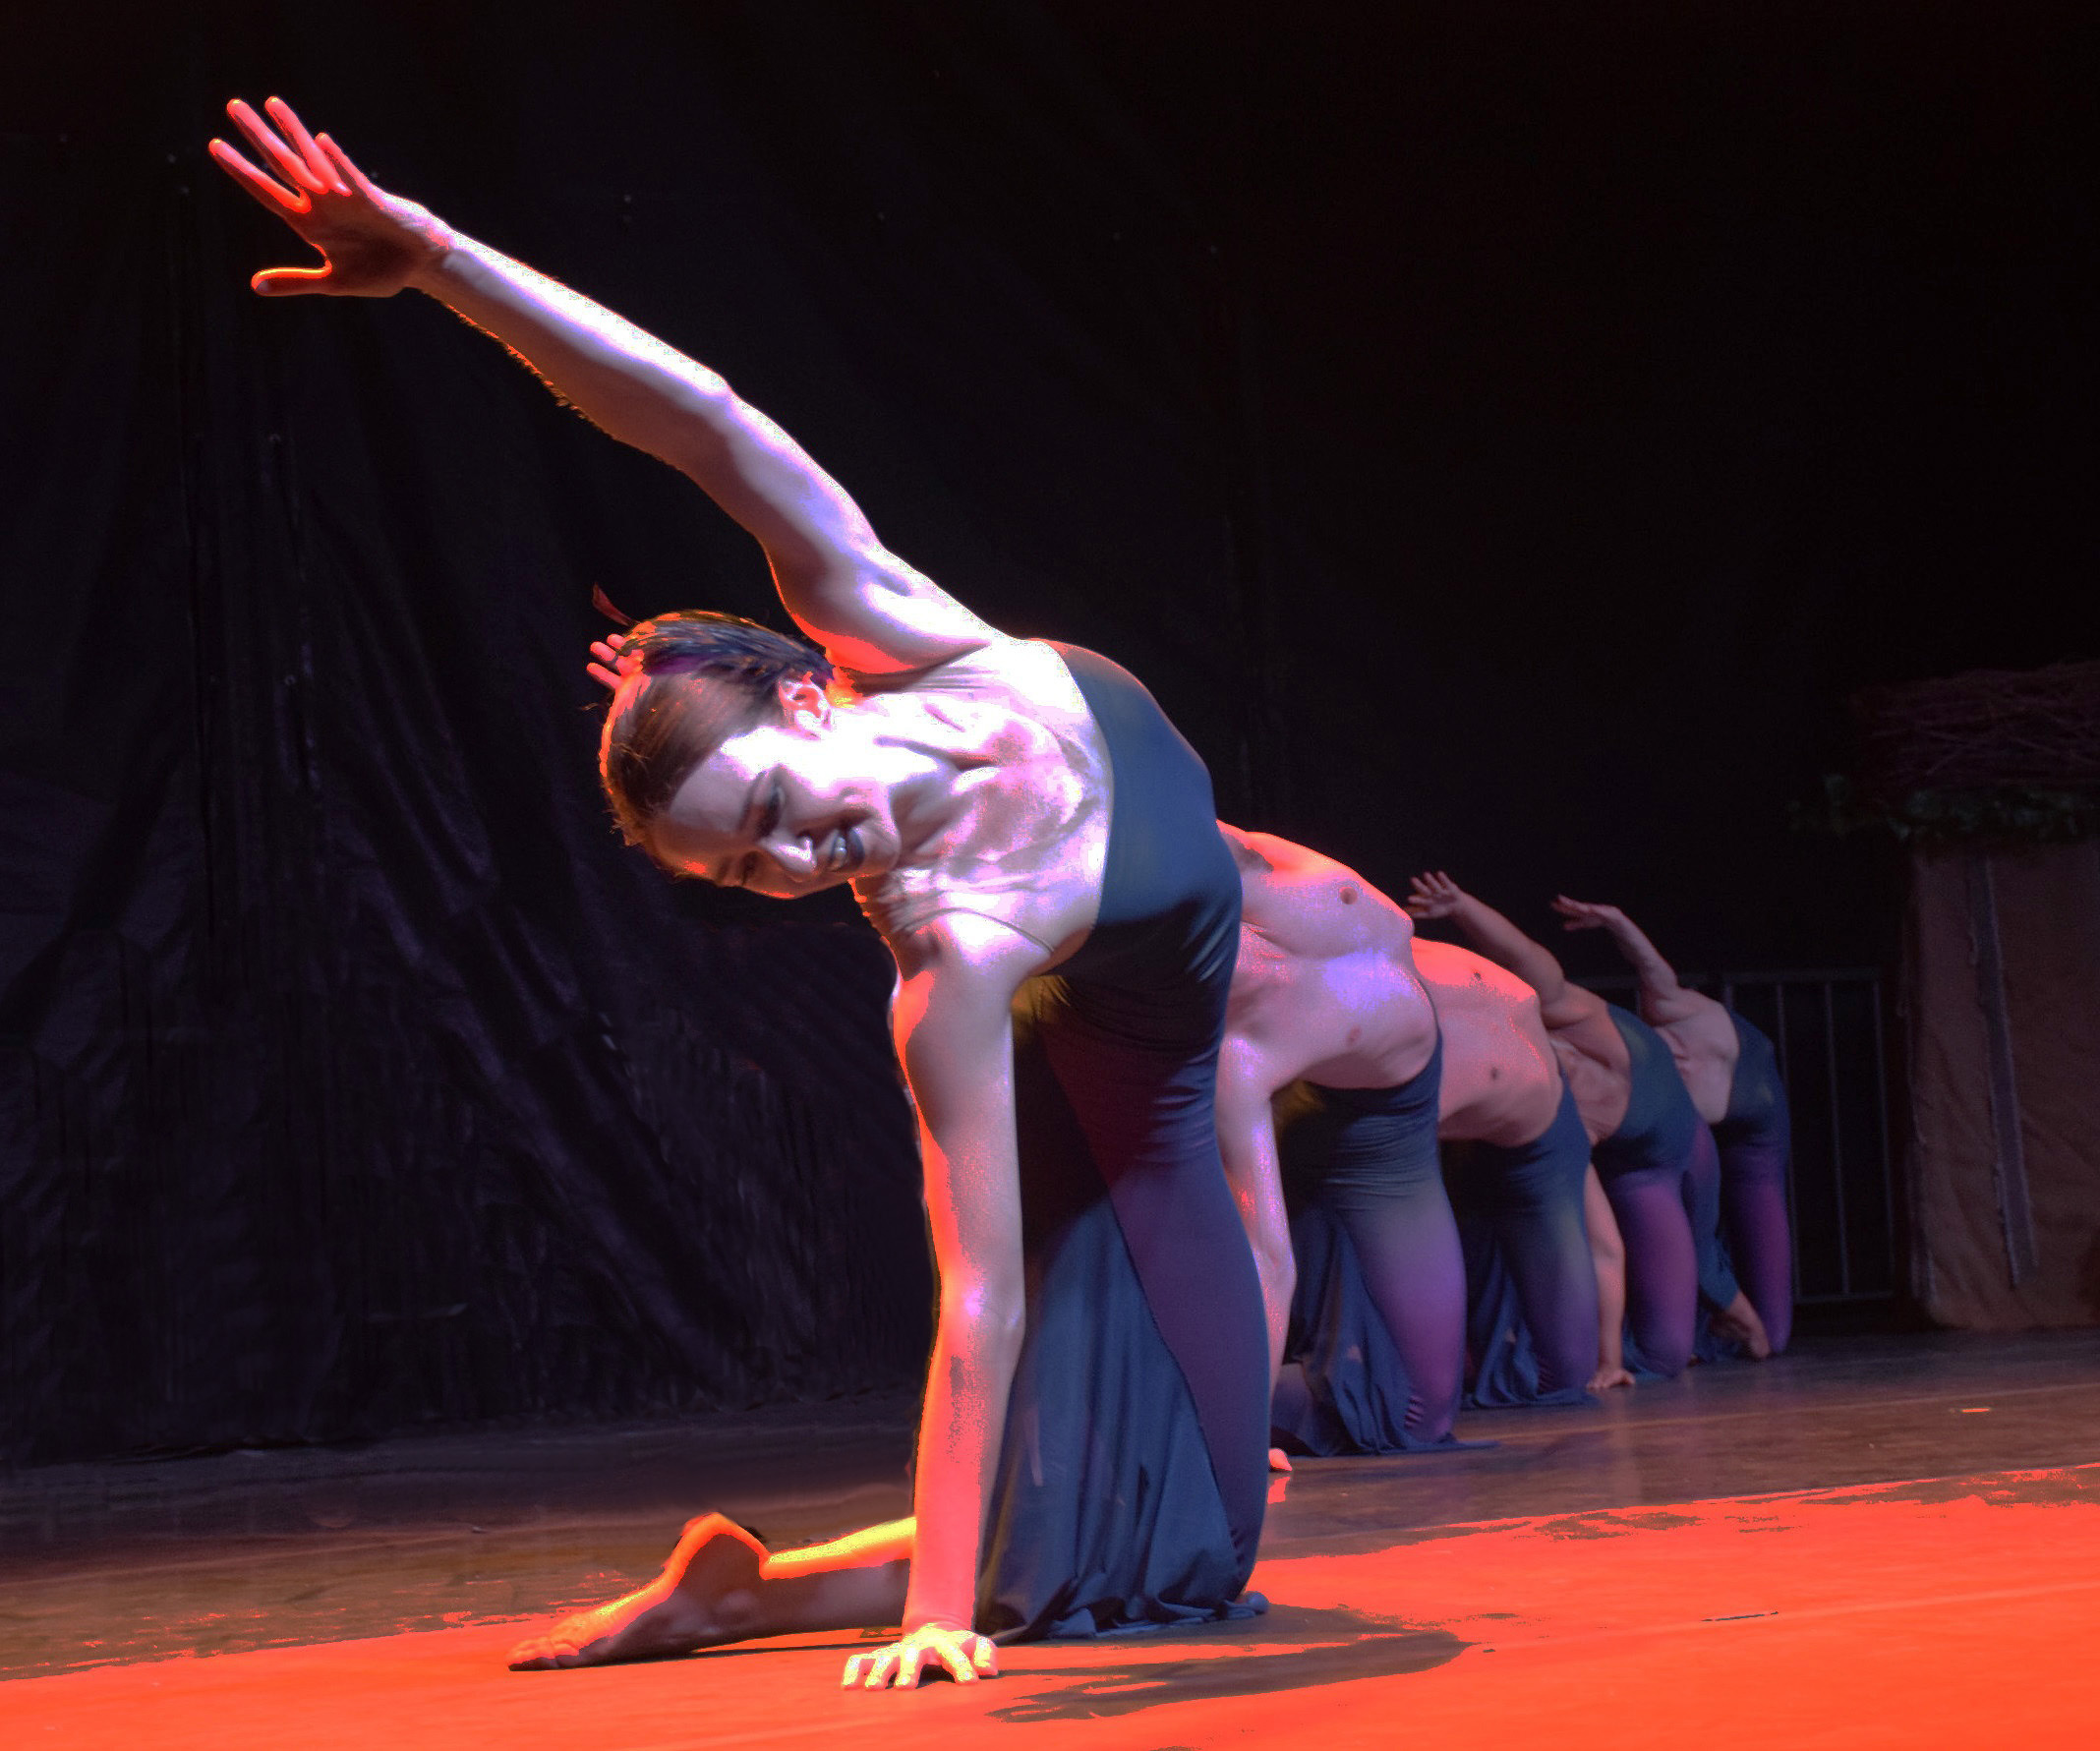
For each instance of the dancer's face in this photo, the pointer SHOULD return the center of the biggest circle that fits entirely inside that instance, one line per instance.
(783, 808)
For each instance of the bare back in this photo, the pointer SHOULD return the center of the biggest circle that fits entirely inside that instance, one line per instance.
(1703, 1040)
(1501, 1080)
(1593, 1058)
(1326, 986)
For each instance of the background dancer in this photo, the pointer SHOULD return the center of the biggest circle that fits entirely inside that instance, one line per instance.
(1365, 1281)
(1652, 1152)
(1090, 1451)
(1732, 1074)
(1532, 1281)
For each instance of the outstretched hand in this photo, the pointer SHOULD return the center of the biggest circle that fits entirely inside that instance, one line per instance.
(1584, 914)
(961, 1654)
(1433, 895)
(612, 667)
(373, 244)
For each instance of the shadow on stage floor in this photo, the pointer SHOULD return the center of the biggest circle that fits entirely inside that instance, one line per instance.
(1873, 1541)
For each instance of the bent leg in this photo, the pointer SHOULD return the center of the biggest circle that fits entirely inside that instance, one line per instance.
(1414, 1270)
(1661, 1266)
(720, 1584)
(1702, 1207)
(1291, 1408)
(1536, 1204)
(1385, 1185)
(1753, 1189)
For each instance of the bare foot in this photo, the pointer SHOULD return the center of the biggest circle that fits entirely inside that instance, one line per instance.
(1279, 1461)
(1608, 1377)
(707, 1593)
(1740, 1320)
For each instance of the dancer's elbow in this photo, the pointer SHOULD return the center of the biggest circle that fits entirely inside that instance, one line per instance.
(985, 1317)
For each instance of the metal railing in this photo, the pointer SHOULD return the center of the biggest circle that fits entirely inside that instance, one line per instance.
(1828, 1027)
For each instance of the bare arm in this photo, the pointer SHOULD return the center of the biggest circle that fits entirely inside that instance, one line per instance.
(1662, 998)
(1434, 895)
(1607, 1253)
(868, 607)
(869, 610)
(955, 1037)
(1247, 1139)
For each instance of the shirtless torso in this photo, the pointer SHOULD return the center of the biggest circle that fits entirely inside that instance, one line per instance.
(1325, 985)
(1324, 989)
(1699, 1033)
(1593, 1056)
(1501, 1078)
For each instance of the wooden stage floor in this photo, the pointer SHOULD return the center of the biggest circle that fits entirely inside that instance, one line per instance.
(1890, 1540)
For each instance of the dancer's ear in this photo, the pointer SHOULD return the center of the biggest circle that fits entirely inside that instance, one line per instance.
(804, 704)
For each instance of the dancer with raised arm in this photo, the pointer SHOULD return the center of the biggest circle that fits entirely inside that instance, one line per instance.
(1646, 1140)
(1030, 834)
(1732, 1074)
(1364, 1280)
(1521, 1173)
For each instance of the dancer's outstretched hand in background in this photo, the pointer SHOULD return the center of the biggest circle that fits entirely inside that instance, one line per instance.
(373, 244)
(1433, 895)
(611, 668)
(1584, 914)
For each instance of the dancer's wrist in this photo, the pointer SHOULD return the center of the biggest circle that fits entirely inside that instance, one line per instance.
(953, 1622)
(446, 261)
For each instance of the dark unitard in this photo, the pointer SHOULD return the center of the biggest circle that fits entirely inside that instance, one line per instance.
(1133, 1472)
(1375, 1359)
(1531, 1284)
(1663, 1175)
(1755, 1140)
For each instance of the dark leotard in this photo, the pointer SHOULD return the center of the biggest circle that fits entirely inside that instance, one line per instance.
(1376, 1353)
(1661, 1172)
(1755, 1139)
(1531, 1286)
(1132, 1473)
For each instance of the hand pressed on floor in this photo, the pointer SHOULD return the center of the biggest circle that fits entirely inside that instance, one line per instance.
(928, 1651)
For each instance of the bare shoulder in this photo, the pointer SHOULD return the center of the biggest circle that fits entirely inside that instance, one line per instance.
(887, 619)
(1582, 1020)
(1021, 673)
(1309, 903)
(967, 957)
(1282, 857)
(1699, 1023)
(1450, 968)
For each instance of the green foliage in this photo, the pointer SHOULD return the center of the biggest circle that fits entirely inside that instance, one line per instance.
(2015, 814)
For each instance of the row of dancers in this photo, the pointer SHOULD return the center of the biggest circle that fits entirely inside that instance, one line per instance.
(1104, 1001)
(1612, 1195)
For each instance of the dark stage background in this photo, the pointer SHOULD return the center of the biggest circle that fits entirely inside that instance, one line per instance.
(1502, 440)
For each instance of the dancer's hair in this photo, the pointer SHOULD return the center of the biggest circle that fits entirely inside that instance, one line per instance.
(703, 678)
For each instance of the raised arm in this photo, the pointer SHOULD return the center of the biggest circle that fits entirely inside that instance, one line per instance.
(870, 611)
(1662, 998)
(955, 1036)
(1434, 895)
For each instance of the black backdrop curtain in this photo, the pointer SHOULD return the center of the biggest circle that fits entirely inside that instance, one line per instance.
(1501, 446)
